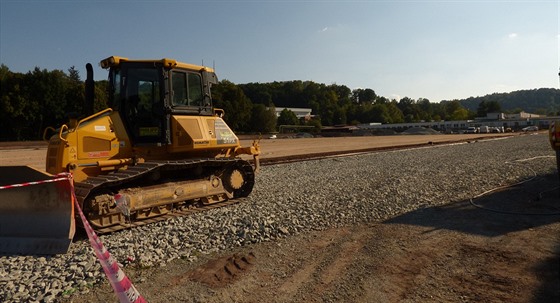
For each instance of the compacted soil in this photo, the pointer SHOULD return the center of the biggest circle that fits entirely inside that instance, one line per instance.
(453, 253)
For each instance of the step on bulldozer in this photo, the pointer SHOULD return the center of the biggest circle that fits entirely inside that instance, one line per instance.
(160, 150)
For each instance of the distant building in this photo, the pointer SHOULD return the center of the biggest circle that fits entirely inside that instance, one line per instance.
(504, 116)
(493, 116)
(523, 115)
(444, 126)
(301, 113)
(512, 121)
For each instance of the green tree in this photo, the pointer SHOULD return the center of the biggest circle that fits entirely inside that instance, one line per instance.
(394, 113)
(343, 94)
(75, 94)
(339, 116)
(494, 107)
(287, 117)
(364, 95)
(329, 106)
(47, 95)
(101, 99)
(14, 106)
(409, 109)
(316, 123)
(380, 113)
(450, 107)
(425, 108)
(236, 105)
(263, 119)
(460, 114)
(485, 107)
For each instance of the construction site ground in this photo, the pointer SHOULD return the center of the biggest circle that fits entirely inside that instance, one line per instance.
(33, 153)
(452, 253)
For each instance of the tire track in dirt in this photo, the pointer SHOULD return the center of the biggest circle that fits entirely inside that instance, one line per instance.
(332, 256)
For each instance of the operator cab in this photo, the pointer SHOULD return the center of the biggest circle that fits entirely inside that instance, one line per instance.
(147, 93)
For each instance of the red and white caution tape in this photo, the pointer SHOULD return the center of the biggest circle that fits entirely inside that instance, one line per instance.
(35, 182)
(124, 289)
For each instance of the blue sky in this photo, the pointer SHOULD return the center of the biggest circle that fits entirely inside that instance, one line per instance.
(439, 50)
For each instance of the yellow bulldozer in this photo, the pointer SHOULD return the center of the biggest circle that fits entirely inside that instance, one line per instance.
(161, 149)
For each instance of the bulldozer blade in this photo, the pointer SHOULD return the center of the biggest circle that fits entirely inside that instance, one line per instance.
(36, 218)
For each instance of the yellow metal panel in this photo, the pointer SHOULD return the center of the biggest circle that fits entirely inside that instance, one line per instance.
(99, 137)
(211, 127)
(192, 127)
(92, 144)
(97, 130)
(201, 133)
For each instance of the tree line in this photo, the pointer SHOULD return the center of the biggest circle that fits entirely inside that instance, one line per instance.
(541, 101)
(32, 101)
(334, 104)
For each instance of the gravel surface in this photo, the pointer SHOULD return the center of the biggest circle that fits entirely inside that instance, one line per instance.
(290, 199)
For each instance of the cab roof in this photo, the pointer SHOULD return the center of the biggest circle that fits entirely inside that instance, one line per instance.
(166, 62)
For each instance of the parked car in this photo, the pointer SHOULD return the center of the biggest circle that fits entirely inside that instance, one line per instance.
(532, 128)
(471, 130)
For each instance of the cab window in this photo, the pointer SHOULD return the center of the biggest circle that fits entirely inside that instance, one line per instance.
(179, 89)
(187, 89)
(195, 89)
(144, 106)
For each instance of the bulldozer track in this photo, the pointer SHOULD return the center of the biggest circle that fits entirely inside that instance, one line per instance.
(90, 186)
(174, 214)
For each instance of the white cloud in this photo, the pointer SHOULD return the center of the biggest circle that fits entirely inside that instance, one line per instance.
(325, 29)
(512, 35)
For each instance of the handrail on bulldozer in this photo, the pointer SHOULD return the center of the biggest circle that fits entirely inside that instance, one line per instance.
(64, 126)
(45, 132)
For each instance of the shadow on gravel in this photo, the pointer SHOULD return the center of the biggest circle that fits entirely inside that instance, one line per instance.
(528, 205)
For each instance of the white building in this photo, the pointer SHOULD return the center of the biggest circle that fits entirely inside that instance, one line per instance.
(301, 113)
(513, 121)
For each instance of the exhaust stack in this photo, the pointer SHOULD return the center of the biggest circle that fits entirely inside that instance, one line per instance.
(89, 91)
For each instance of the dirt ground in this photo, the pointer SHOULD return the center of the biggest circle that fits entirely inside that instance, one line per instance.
(34, 153)
(453, 253)
(503, 247)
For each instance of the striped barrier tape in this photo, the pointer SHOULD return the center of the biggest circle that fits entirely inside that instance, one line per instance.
(123, 287)
(36, 182)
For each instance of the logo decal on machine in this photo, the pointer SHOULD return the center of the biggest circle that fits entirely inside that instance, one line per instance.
(99, 154)
(224, 135)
